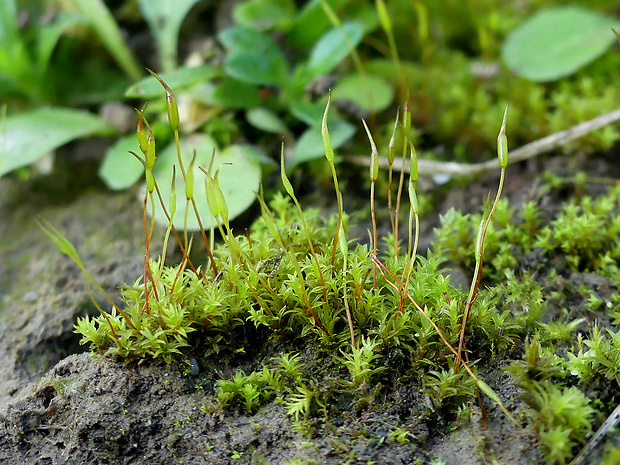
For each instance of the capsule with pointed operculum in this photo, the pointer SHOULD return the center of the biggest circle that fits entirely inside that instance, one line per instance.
(407, 118)
(392, 144)
(374, 155)
(327, 143)
(285, 181)
(150, 149)
(502, 143)
(141, 133)
(171, 103)
(173, 193)
(413, 163)
(222, 206)
(413, 197)
(189, 179)
(173, 110)
(482, 229)
(215, 197)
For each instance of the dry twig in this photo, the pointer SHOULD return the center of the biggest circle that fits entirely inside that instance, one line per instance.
(531, 150)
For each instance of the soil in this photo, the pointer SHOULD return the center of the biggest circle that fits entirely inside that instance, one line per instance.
(62, 405)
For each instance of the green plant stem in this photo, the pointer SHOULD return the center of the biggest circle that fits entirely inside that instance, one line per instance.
(329, 155)
(475, 284)
(344, 249)
(291, 192)
(148, 234)
(177, 143)
(406, 127)
(175, 231)
(391, 156)
(412, 249)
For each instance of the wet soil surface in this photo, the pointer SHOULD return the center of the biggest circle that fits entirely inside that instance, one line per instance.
(60, 405)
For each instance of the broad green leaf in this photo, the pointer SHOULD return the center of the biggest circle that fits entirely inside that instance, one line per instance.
(178, 79)
(333, 47)
(165, 18)
(310, 144)
(28, 136)
(265, 14)
(266, 120)
(239, 181)
(370, 93)
(119, 169)
(557, 42)
(234, 94)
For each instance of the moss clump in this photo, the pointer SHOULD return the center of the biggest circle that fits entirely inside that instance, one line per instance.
(297, 277)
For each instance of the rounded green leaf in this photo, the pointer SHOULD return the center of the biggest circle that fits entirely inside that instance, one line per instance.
(557, 42)
(119, 169)
(333, 47)
(26, 137)
(239, 181)
(370, 93)
(310, 144)
(182, 77)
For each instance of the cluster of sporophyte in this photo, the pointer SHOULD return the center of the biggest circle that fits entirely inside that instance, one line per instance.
(296, 275)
